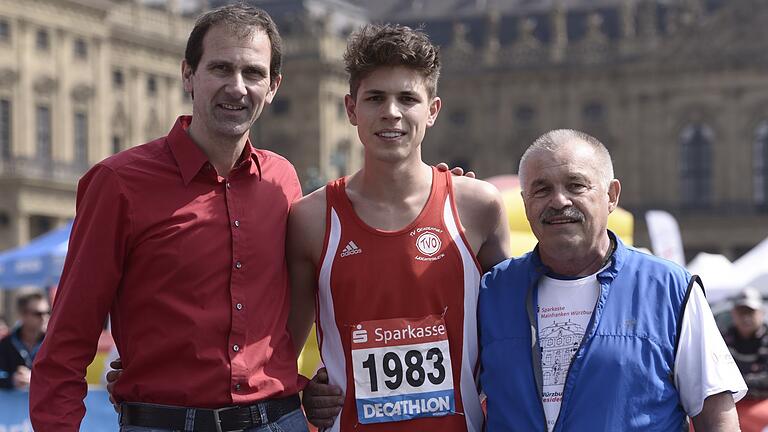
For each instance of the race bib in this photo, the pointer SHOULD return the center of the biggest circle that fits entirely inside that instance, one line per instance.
(402, 369)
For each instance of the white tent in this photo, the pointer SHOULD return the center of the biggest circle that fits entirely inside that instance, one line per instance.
(720, 277)
(753, 267)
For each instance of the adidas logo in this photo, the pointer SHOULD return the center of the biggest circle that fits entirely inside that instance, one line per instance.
(351, 249)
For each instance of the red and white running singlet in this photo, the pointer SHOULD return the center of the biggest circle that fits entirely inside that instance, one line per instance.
(396, 315)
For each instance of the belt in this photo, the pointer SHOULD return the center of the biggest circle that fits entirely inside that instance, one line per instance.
(206, 420)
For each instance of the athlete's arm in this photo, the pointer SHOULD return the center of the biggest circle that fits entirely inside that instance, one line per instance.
(717, 415)
(485, 221)
(306, 233)
(306, 228)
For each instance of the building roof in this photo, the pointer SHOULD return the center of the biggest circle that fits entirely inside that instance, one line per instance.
(432, 9)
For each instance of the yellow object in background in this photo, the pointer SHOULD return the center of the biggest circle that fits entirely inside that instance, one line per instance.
(96, 369)
(309, 360)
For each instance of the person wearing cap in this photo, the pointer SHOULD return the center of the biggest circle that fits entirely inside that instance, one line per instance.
(747, 340)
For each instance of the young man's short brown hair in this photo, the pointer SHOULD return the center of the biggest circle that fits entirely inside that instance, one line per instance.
(374, 46)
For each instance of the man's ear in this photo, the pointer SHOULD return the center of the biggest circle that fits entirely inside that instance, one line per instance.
(434, 110)
(350, 105)
(273, 86)
(186, 77)
(614, 190)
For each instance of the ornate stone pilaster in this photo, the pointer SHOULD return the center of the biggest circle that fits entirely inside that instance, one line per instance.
(559, 26)
(594, 46)
(492, 44)
(628, 11)
(460, 51)
(647, 19)
(527, 48)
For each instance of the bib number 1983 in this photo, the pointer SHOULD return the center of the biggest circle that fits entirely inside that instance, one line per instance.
(402, 369)
(410, 368)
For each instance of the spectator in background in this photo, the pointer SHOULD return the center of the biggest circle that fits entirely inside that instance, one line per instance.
(4, 329)
(18, 349)
(747, 339)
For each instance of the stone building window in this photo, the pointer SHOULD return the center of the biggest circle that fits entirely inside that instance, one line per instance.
(760, 165)
(43, 132)
(5, 30)
(80, 49)
(151, 85)
(281, 106)
(42, 40)
(40, 224)
(525, 114)
(118, 78)
(593, 112)
(117, 144)
(81, 138)
(458, 117)
(341, 155)
(696, 165)
(5, 129)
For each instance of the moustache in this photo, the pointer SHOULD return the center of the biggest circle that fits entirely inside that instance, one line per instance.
(567, 212)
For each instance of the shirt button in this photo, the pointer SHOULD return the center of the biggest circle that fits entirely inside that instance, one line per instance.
(239, 306)
(238, 264)
(236, 348)
(237, 387)
(229, 185)
(237, 223)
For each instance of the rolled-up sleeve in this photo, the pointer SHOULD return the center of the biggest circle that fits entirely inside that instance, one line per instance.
(92, 272)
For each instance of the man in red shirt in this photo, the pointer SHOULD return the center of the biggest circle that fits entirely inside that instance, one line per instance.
(181, 241)
(391, 256)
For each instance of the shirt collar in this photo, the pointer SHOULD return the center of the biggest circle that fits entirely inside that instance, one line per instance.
(190, 157)
(611, 267)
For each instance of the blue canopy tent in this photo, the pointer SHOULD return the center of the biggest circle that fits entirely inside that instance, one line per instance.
(38, 263)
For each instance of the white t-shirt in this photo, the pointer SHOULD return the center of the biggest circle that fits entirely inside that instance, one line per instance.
(565, 308)
(703, 366)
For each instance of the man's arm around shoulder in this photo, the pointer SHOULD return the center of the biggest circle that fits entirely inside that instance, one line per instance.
(306, 232)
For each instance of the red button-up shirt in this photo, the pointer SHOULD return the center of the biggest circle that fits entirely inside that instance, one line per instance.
(191, 267)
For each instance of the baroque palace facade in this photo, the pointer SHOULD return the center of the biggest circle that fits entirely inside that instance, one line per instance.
(677, 90)
(79, 81)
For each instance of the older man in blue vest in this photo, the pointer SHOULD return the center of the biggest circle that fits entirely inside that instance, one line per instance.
(587, 334)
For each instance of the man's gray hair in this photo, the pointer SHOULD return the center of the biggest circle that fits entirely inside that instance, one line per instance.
(555, 139)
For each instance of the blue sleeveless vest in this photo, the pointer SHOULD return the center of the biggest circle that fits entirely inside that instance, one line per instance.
(621, 377)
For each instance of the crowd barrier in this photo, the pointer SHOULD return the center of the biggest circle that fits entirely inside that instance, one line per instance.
(14, 412)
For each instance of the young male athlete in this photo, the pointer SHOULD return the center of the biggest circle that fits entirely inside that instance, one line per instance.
(391, 256)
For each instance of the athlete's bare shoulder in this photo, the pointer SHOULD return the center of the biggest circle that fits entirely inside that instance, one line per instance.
(484, 218)
(474, 192)
(306, 223)
(309, 204)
